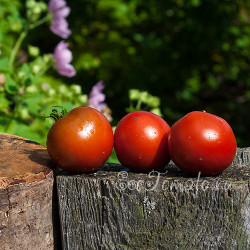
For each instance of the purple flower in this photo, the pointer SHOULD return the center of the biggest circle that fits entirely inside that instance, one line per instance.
(96, 97)
(60, 11)
(63, 57)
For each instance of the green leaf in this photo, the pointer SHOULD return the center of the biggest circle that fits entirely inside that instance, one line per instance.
(212, 82)
(25, 70)
(243, 41)
(33, 104)
(15, 23)
(195, 3)
(10, 85)
(3, 122)
(153, 101)
(24, 130)
(25, 75)
(87, 61)
(4, 103)
(4, 62)
(138, 37)
(193, 84)
(144, 95)
(68, 105)
(113, 158)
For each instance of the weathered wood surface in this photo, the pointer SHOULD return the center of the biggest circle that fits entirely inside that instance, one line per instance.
(26, 195)
(116, 209)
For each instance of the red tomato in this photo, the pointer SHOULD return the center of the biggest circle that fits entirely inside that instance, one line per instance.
(81, 141)
(141, 141)
(202, 142)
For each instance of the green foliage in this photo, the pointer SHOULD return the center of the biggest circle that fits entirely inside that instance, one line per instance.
(144, 101)
(113, 158)
(27, 91)
(194, 55)
(24, 108)
(189, 55)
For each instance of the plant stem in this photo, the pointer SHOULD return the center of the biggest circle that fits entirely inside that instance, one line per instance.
(16, 48)
(39, 22)
(138, 106)
(56, 115)
(22, 36)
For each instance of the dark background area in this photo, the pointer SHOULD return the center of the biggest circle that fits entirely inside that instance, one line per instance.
(194, 55)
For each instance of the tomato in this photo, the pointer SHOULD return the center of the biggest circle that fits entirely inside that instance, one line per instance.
(141, 141)
(202, 142)
(81, 141)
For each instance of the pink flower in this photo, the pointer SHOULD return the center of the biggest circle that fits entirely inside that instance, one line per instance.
(60, 11)
(45, 86)
(63, 57)
(96, 97)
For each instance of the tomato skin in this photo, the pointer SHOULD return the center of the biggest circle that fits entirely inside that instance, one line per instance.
(141, 141)
(202, 142)
(81, 141)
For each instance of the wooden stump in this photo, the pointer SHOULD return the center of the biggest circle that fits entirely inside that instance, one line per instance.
(26, 195)
(116, 209)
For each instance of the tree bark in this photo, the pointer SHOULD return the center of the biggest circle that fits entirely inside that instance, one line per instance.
(116, 209)
(26, 195)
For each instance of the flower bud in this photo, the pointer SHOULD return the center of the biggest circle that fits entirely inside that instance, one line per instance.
(51, 92)
(156, 111)
(24, 114)
(76, 89)
(83, 99)
(36, 69)
(33, 51)
(134, 94)
(62, 89)
(32, 89)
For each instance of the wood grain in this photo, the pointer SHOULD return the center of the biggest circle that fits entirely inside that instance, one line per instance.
(27, 203)
(116, 209)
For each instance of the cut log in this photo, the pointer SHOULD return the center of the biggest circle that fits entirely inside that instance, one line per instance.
(116, 209)
(26, 195)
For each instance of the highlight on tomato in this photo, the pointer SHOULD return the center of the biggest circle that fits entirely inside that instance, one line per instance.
(81, 141)
(202, 142)
(141, 141)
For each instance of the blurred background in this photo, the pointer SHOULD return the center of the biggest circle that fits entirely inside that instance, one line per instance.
(170, 57)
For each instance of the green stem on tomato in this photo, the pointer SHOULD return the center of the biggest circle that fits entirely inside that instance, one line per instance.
(56, 115)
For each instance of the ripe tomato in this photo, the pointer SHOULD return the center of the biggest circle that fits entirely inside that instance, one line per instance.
(141, 141)
(81, 141)
(202, 142)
